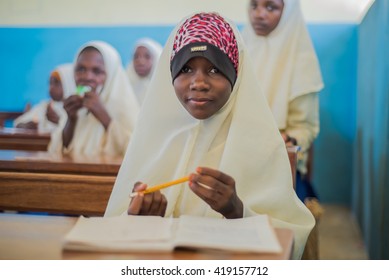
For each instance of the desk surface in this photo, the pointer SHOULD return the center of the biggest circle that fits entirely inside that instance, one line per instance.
(23, 139)
(44, 162)
(39, 237)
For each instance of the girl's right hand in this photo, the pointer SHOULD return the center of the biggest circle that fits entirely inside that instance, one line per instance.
(151, 204)
(72, 104)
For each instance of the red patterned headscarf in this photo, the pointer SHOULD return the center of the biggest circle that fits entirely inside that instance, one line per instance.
(210, 36)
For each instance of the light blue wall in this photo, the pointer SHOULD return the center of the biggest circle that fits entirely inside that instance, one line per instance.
(371, 150)
(336, 46)
(29, 54)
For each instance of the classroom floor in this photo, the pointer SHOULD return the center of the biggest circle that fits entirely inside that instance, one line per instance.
(339, 235)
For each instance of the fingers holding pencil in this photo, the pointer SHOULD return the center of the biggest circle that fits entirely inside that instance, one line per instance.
(154, 203)
(136, 200)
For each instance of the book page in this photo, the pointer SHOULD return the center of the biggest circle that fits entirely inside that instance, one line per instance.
(252, 234)
(121, 233)
(157, 234)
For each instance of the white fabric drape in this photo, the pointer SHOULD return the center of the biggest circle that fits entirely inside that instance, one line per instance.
(139, 84)
(241, 140)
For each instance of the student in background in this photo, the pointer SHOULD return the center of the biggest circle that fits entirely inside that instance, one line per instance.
(100, 121)
(142, 66)
(46, 115)
(287, 67)
(204, 116)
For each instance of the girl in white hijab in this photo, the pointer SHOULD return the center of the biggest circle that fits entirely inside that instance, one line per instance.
(286, 65)
(101, 121)
(46, 115)
(142, 66)
(209, 123)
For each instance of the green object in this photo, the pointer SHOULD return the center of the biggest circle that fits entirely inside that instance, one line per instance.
(81, 90)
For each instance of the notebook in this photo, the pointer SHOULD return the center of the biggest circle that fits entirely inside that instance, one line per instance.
(156, 234)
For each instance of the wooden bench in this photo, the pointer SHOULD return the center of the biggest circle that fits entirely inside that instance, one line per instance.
(40, 182)
(23, 139)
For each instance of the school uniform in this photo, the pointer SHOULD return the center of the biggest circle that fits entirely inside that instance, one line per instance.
(138, 83)
(241, 140)
(287, 67)
(38, 112)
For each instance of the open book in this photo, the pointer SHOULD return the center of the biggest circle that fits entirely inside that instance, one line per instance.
(157, 234)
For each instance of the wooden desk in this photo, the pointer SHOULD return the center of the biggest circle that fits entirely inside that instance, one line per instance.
(39, 237)
(23, 139)
(4, 116)
(41, 182)
(44, 162)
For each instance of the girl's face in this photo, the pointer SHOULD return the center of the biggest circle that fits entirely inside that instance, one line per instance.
(143, 61)
(55, 89)
(265, 15)
(90, 69)
(201, 88)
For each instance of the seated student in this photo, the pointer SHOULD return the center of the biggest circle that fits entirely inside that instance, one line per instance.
(142, 66)
(101, 121)
(287, 67)
(204, 118)
(46, 115)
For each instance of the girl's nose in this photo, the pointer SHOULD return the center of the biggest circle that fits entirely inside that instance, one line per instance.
(199, 81)
(260, 12)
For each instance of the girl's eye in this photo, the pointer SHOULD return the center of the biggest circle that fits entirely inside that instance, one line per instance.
(214, 70)
(80, 69)
(98, 71)
(272, 7)
(185, 69)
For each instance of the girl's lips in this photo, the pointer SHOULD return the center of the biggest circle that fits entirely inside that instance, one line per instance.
(198, 101)
(260, 26)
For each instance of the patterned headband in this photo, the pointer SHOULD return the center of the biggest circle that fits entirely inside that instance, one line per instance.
(208, 28)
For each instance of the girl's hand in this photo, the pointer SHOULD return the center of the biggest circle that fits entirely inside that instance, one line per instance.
(217, 189)
(151, 204)
(92, 102)
(71, 105)
(51, 114)
(289, 141)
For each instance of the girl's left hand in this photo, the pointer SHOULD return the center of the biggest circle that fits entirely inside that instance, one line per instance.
(217, 189)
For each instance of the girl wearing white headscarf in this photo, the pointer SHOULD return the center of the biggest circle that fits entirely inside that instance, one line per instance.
(240, 141)
(46, 115)
(286, 65)
(142, 66)
(103, 119)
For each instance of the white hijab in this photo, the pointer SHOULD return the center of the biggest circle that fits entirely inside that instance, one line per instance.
(285, 61)
(90, 137)
(66, 73)
(139, 84)
(241, 140)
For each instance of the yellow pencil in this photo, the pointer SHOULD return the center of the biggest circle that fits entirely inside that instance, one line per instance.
(162, 186)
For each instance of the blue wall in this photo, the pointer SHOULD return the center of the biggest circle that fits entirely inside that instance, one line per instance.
(371, 150)
(336, 46)
(29, 54)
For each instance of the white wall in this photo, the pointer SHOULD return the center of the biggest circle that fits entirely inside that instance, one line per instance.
(128, 12)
